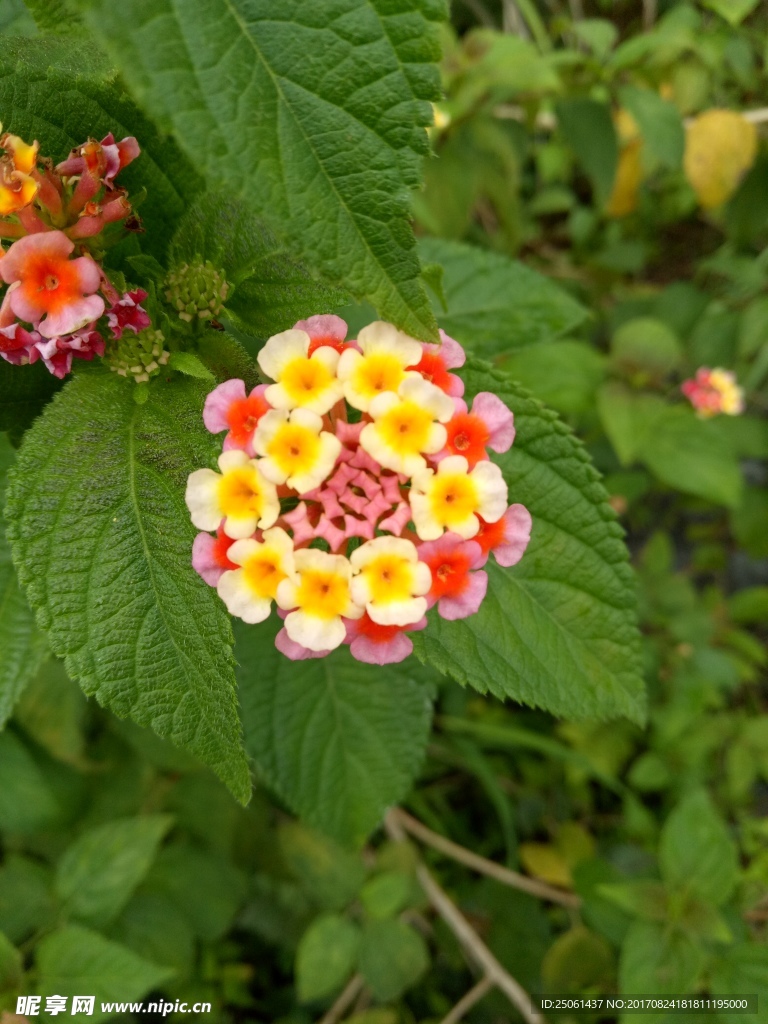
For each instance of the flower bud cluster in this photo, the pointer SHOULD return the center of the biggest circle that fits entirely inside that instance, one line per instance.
(712, 392)
(355, 491)
(57, 292)
(197, 291)
(139, 355)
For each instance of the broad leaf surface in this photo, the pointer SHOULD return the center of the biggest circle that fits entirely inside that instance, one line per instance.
(75, 961)
(496, 304)
(697, 853)
(272, 290)
(557, 631)
(22, 647)
(60, 91)
(102, 541)
(338, 740)
(313, 112)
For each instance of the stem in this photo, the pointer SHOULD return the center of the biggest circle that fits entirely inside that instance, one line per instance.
(465, 933)
(345, 1000)
(481, 864)
(467, 1001)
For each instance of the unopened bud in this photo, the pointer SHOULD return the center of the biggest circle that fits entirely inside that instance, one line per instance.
(197, 290)
(138, 355)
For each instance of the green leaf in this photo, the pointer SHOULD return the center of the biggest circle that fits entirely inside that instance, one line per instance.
(496, 304)
(645, 899)
(696, 851)
(60, 91)
(656, 960)
(660, 125)
(563, 374)
(188, 364)
(102, 539)
(27, 803)
(154, 926)
(329, 874)
(181, 870)
(691, 455)
(386, 894)
(23, 647)
(316, 117)
(76, 961)
(11, 964)
(646, 345)
(558, 630)
(226, 358)
(325, 957)
(338, 740)
(51, 712)
(578, 961)
(587, 127)
(24, 391)
(272, 289)
(742, 970)
(98, 873)
(392, 958)
(54, 16)
(626, 417)
(734, 11)
(26, 897)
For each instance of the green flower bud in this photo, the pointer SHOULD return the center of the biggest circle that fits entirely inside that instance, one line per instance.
(197, 290)
(138, 355)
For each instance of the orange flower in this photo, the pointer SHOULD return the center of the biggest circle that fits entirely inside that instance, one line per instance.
(45, 282)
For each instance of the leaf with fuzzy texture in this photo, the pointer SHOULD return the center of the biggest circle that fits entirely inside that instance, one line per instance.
(315, 113)
(339, 741)
(23, 648)
(102, 540)
(557, 631)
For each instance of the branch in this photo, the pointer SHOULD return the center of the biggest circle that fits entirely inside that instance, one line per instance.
(465, 933)
(481, 864)
(345, 1000)
(467, 1001)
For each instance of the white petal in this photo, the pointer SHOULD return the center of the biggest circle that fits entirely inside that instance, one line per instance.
(398, 613)
(202, 497)
(493, 491)
(381, 336)
(313, 633)
(240, 599)
(282, 349)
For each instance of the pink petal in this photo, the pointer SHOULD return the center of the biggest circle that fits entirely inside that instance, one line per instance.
(203, 560)
(468, 602)
(324, 325)
(497, 418)
(295, 651)
(72, 317)
(44, 243)
(388, 653)
(218, 402)
(451, 351)
(518, 524)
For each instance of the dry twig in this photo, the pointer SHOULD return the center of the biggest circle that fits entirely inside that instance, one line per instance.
(473, 945)
(353, 989)
(482, 865)
(465, 1004)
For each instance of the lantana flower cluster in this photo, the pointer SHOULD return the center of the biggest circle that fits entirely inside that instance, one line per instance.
(712, 392)
(57, 218)
(354, 492)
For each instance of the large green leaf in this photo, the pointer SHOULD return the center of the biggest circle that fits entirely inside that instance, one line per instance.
(102, 541)
(24, 390)
(558, 630)
(60, 91)
(75, 961)
(696, 853)
(313, 112)
(496, 304)
(587, 127)
(272, 290)
(22, 647)
(100, 870)
(741, 970)
(338, 740)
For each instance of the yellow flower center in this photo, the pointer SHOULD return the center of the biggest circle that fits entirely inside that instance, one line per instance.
(453, 498)
(390, 578)
(295, 449)
(406, 428)
(240, 493)
(263, 572)
(305, 379)
(378, 372)
(323, 593)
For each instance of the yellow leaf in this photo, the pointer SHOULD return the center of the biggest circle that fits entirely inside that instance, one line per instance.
(545, 862)
(629, 172)
(720, 147)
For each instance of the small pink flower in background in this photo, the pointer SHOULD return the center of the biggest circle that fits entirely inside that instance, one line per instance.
(712, 392)
(128, 314)
(55, 293)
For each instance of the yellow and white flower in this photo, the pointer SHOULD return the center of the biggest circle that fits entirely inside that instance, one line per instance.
(248, 592)
(301, 381)
(407, 425)
(295, 449)
(452, 498)
(240, 495)
(390, 582)
(317, 596)
(380, 366)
